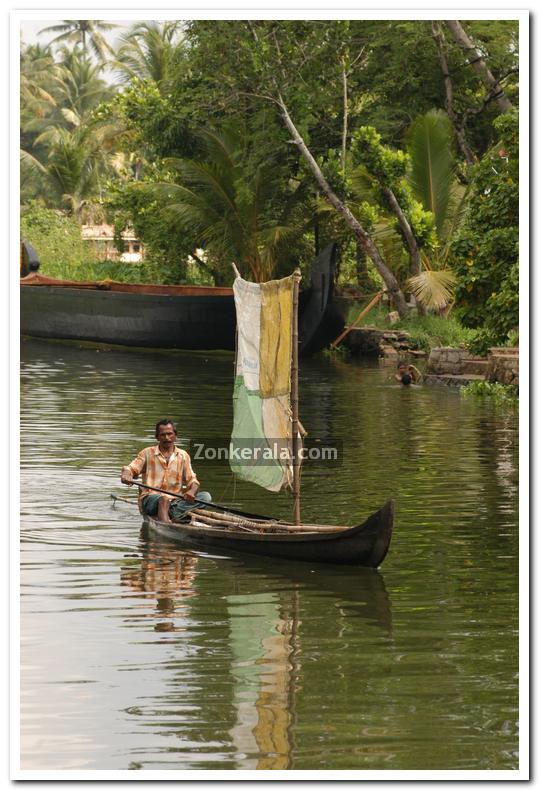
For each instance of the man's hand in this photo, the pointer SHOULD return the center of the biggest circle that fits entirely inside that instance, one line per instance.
(126, 476)
(190, 495)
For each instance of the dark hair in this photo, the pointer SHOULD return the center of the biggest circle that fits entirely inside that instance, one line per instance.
(406, 379)
(402, 363)
(165, 422)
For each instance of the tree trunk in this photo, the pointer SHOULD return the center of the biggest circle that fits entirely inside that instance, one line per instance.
(362, 274)
(479, 65)
(361, 235)
(414, 252)
(459, 128)
(412, 244)
(345, 116)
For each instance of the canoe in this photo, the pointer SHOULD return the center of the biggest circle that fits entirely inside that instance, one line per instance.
(166, 317)
(365, 544)
(358, 587)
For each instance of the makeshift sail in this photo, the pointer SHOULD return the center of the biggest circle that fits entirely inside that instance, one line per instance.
(261, 440)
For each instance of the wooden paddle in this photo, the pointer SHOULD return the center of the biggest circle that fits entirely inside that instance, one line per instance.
(179, 496)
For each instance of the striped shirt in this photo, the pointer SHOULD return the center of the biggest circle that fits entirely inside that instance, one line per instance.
(156, 471)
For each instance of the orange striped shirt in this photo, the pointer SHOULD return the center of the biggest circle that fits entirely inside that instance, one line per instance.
(155, 470)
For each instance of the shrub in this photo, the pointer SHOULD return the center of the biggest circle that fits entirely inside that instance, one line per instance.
(484, 256)
(500, 394)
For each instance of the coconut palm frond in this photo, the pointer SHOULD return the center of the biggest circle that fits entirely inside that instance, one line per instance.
(433, 288)
(146, 51)
(70, 116)
(430, 145)
(30, 163)
(457, 211)
(364, 185)
(86, 32)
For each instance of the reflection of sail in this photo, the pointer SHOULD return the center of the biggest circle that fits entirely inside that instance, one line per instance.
(262, 647)
(236, 678)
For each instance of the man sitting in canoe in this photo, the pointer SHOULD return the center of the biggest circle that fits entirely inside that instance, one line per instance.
(164, 466)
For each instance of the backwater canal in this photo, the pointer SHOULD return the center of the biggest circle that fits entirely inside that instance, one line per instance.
(139, 655)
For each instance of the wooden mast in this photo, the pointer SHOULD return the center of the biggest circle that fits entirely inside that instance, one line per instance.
(294, 401)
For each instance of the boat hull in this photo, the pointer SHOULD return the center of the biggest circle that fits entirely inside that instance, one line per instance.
(165, 317)
(364, 545)
(128, 318)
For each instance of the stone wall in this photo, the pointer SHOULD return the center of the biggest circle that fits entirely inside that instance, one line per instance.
(374, 342)
(447, 360)
(503, 366)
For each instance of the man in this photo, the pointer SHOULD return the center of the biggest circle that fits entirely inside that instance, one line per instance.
(407, 374)
(164, 466)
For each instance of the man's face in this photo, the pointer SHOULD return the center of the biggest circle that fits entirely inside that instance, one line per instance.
(166, 436)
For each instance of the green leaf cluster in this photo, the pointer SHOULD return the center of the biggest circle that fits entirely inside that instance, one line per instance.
(500, 394)
(390, 167)
(57, 240)
(485, 253)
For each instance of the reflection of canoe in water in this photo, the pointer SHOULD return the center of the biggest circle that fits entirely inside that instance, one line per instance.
(363, 545)
(273, 615)
(356, 589)
(167, 317)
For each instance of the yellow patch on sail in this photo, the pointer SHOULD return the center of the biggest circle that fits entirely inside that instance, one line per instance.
(276, 337)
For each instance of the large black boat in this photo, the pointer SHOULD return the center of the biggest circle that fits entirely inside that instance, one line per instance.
(167, 317)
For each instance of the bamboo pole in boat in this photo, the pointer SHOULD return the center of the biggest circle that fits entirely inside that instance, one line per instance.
(294, 401)
(216, 521)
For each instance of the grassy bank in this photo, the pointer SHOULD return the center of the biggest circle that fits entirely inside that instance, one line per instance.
(426, 331)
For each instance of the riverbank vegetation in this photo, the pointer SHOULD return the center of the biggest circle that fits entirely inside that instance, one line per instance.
(499, 394)
(260, 142)
(426, 331)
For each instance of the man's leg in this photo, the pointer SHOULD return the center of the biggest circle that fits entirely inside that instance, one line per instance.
(181, 507)
(163, 509)
(149, 504)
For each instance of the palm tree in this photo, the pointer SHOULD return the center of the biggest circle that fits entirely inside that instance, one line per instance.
(147, 52)
(82, 87)
(231, 209)
(65, 151)
(86, 32)
(434, 183)
(77, 163)
(39, 76)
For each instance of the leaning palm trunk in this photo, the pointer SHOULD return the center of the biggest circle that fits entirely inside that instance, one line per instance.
(477, 62)
(361, 235)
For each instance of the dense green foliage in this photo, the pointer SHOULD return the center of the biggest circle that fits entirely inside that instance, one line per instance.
(57, 238)
(485, 254)
(368, 98)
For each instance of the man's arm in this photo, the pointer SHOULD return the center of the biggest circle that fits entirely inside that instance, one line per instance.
(134, 469)
(190, 478)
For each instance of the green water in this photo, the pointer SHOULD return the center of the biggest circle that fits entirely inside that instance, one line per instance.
(136, 654)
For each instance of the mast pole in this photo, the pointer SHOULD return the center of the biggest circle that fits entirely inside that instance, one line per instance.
(294, 401)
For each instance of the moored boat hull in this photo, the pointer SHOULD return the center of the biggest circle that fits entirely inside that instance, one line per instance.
(364, 545)
(165, 317)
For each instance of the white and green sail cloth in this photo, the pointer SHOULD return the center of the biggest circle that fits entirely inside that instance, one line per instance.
(261, 444)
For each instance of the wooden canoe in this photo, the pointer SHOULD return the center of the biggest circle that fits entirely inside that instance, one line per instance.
(364, 545)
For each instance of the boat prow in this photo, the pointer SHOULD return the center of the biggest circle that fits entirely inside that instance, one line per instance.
(365, 544)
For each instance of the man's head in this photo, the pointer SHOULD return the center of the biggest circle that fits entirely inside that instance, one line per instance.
(166, 432)
(402, 368)
(406, 379)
